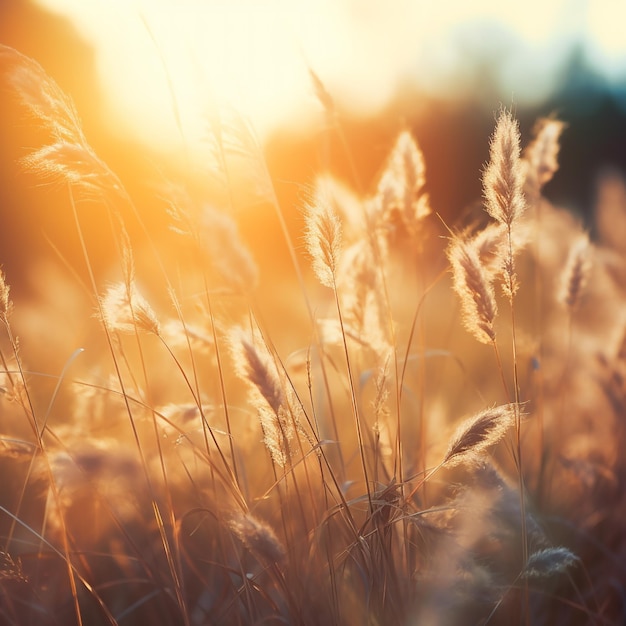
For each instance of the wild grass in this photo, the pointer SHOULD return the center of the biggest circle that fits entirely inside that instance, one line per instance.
(404, 453)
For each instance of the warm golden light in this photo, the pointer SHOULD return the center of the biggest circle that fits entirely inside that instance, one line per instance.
(369, 371)
(159, 60)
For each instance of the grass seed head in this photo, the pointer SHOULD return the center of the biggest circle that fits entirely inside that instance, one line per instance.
(258, 537)
(503, 179)
(541, 155)
(474, 288)
(478, 433)
(125, 310)
(5, 302)
(323, 238)
(549, 562)
(576, 274)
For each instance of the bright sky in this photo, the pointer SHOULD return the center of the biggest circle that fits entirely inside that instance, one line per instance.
(253, 54)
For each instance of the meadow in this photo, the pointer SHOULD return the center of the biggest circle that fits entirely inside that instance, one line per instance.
(407, 422)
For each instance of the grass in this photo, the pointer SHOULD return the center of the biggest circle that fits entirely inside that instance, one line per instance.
(402, 453)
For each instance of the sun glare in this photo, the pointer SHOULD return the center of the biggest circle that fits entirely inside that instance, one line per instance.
(163, 63)
(606, 36)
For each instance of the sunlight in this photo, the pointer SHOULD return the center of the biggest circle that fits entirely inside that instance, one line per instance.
(606, 35)
(159, 62)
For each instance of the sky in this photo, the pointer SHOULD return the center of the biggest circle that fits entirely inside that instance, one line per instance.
(164, 65)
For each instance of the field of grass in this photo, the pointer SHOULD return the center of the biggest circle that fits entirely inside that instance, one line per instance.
(407, 422)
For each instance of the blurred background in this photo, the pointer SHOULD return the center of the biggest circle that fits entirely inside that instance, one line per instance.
(327, 85)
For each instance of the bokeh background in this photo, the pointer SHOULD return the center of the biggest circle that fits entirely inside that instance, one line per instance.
(148, 76)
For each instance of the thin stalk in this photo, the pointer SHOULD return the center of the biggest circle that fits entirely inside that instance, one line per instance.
(118, 373)
(518, 424)
(353, 400)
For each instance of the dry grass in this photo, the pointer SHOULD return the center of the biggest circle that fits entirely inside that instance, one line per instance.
(192, 467)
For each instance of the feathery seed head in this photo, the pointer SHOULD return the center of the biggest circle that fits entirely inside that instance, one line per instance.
(346, 205)
(503, 179)
(277, 406)
(576, 273)
(254, 364)
(479, 433)
(76, 164)
(10, 571)
(41, 96)
(400, 200)
(490, 245)
(548, 562)
(125, 310)
(323, 237)
(5, 303)
(69, 157)
(277, 433)
(257, 536)
(541, 155)
(475, 289)
(360, 289)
